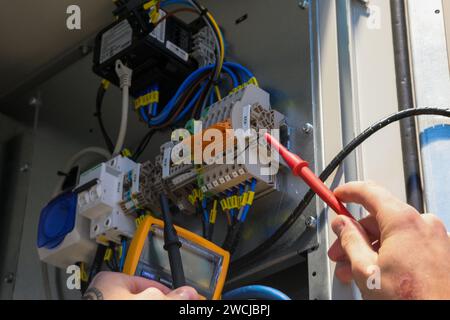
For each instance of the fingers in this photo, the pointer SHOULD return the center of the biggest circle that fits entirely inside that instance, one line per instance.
(183, 293)
(343, 272)
(145, 289)
(355, 244)
(436, 224)
(138, 284)
(375, 199)
(370, 225)
(336, 253)
(150, 294)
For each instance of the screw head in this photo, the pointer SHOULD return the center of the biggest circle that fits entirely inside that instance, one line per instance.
(9, 278)
(35, 102)
(304, 4)
(84, 49)
(311, 222)
(308, 128)
(25, 168)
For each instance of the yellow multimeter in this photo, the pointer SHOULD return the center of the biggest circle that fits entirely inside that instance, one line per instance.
(205, 264)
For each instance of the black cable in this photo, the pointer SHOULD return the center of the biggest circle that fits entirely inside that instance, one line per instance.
(114, 261)
(405, 96)
(233, 237)
(98, 261)
(250, 257)
(98, 114)
(143, 144)
(172, 245)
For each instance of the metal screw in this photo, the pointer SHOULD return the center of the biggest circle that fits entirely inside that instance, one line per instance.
(35, 102)
(304, 4)
(308, 128)
(311, 222)
(85, 49)
(9, 278)
(25, 168)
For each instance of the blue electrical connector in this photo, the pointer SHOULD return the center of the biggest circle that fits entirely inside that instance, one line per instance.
(255, 292)
(247, 206)
(122, 257)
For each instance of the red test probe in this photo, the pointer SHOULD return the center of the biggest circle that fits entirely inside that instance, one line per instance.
(300, 168)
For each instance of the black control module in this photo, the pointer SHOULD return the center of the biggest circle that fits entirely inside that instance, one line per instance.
(158, 53)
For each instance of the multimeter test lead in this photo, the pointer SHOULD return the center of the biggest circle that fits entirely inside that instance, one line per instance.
(300, 168)
(172, 245)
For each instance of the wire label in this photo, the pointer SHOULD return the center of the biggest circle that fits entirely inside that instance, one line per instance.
(177, 50)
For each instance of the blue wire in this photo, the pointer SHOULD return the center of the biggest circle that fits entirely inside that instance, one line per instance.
(255, 292)
(164, 114)
(143, 114)
(235, 84)
(239, 67)
(232, 75)
(229, 193)
(172, 2)
(211, 97)
(247, 206)
(155, 106)
(191, 103)
(205, 212)
(122, 257)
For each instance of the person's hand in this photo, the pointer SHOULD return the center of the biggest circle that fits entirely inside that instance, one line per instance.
(409, 252)
(119, 286)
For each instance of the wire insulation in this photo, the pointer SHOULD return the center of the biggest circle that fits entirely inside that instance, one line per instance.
(255, 292)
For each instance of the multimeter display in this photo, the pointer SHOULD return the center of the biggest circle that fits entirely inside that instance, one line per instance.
(202, 267)
(205, 264)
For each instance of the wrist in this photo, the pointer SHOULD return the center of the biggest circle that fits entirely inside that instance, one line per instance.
(92, 294)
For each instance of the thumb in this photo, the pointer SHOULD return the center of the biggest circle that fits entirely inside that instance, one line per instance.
(356, 245)
(150, 294)
(183, 293)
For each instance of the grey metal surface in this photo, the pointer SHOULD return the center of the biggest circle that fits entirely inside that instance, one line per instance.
(282, 66)
(348, 86)
(371, 67)
(16, 146)
(431, 72)
(34, 36)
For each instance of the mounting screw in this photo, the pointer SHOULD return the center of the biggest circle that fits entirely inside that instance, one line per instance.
(85, 49)
(304, 4)
(311, 222)
(25, 168)
(9, 278)
(308, 128)
(35, 101)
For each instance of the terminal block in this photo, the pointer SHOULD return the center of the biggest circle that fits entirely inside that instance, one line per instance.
(203, 48)
(243, 110)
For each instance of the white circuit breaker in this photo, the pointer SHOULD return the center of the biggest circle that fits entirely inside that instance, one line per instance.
(73, 223)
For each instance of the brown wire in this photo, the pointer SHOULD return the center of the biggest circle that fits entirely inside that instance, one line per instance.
(183, 103)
